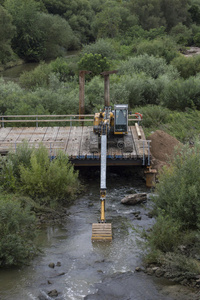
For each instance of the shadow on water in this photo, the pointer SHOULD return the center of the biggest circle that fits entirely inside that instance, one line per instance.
(83, 269)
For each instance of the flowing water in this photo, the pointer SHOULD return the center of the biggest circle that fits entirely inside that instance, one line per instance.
(86, 270)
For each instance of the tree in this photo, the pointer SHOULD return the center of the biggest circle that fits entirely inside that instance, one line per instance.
(7, 31)
(174, 12)
(57, 35)
(94, 63)
(107, 22)
(27, 42)
(149, 13)
(79, 15)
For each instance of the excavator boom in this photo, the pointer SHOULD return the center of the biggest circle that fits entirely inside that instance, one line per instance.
(102, 231)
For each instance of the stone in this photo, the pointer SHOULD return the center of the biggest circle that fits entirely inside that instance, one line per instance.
(58, 264)
(138, 269)
(52, 265)
(134, 199)
(53, 293)
(159, 272)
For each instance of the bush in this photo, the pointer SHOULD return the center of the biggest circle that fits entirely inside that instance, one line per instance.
(17, 232)
(36, 78)
(48, 180)
(179, 190)
(187, 66)
(182, 34)
(148, 64)
(161, 47)
(104, 47)
(180, 94)
(154, 115)
(165, 235)
(31, 172)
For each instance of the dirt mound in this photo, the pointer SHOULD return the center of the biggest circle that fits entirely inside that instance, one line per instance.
(162, 148)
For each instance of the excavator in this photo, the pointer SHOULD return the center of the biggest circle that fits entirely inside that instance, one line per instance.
(109, 127)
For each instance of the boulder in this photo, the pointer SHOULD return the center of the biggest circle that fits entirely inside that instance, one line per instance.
(134, 199)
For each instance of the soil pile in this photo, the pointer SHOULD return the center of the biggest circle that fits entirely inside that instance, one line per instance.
(162, 148)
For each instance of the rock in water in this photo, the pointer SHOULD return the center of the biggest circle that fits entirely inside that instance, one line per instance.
(134, 199)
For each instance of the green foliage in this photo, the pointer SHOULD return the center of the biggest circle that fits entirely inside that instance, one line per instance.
(55, 180)
(7, 31)
(38, 35)
(149, 13)
(17, 232)
(79, 15)
(182, 34)
(36, 78)
(187, 66)
(148, 64)
(94, 63)
(31, 171)
(108, 21)
(154, 115)
(101, 46)
(180, 94)
(27, 42)
(194, 10)
(57, 36)
(165, 235)
(62, 69)
(179, 190)
(161, 47)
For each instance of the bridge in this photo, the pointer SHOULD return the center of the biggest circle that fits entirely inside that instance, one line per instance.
(71, 136)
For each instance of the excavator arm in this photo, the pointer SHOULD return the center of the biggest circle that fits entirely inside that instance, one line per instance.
(102, 231)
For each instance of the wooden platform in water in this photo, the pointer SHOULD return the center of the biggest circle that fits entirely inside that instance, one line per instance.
(74, 141)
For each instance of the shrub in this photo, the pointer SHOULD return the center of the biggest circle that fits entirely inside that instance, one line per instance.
(31, 172)
(104, 47)
(148, 64)
(180, 94)
(36, 78)
(161, 47)
(182, 34)
(48, 180)
(165, 235)
(154, 115)
(17, 232)
(187, 66)
(179, 190)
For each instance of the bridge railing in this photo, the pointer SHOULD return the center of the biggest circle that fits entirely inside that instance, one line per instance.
(43, 120)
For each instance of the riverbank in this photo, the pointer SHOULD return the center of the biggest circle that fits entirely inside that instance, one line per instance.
(11, 64)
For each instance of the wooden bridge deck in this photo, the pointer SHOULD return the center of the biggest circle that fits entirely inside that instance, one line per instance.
(74, 141)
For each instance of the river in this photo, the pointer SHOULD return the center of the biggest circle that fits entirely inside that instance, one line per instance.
(83, 269)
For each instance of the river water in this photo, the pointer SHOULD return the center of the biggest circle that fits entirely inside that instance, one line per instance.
(86, 270)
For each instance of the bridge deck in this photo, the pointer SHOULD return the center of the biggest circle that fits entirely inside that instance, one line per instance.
(75, 142)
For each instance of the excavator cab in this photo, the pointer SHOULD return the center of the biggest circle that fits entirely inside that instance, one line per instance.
(121, 119)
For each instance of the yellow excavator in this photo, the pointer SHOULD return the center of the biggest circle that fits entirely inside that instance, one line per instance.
(108, 127)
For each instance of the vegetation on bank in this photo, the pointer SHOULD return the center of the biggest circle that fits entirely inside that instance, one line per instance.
(35, 30)
(30, 182)
(174, 240)
(145, 42)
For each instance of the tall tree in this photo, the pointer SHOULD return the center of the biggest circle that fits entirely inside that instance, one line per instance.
(149, 13)
(27, 42)
(7, 31)
(175, 12)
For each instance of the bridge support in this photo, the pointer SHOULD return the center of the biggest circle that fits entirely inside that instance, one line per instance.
(150, 175)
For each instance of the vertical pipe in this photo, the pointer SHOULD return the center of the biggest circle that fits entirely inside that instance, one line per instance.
(106, 90)
(3, 122)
